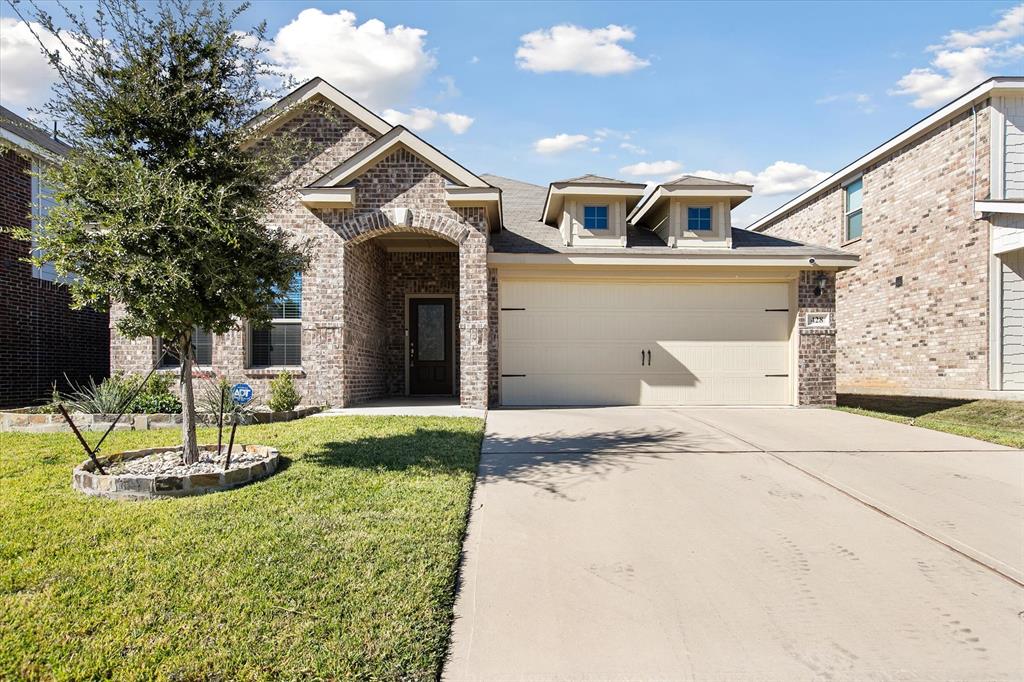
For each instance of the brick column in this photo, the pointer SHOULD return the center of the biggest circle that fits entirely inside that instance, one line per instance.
(473, 321)
(817, 345)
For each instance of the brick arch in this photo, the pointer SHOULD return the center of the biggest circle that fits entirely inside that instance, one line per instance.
(361, 228)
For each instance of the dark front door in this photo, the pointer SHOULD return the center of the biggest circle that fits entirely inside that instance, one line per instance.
(430, 346)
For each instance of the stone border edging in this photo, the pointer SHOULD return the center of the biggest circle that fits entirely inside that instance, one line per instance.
(143, 487)
(26, 421)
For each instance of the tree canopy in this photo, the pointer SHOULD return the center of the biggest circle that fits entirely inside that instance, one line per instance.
(161, 205)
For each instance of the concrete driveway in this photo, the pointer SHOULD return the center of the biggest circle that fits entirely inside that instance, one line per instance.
(739, 544)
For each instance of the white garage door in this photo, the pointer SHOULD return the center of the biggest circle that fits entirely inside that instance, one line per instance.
(629, 343)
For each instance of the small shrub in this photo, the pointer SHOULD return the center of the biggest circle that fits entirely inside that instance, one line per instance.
(107, 397)
(55, 400)
(155, 396)
(283, 394)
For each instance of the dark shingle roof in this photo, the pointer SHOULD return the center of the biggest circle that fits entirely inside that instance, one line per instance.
(15, 124)
(523, 233)
(589, 179)
(695, 181)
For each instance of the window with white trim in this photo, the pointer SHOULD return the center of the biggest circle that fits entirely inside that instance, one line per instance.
(853, 226)
(595, 217)
(698, 218)
(279, 344)
(202, 350)
(42, 201)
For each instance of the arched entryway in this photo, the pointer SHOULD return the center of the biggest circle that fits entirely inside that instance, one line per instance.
(407, 332)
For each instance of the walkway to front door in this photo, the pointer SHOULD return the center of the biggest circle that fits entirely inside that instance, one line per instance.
(430, 346)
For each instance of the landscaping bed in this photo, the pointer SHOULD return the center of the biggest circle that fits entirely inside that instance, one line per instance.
(995, 421)
(341, 565)
(31, 420)
(151, 473)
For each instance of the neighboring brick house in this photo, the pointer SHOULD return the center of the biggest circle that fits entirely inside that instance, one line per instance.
(936, 305)
(428, 279)
(42, 340)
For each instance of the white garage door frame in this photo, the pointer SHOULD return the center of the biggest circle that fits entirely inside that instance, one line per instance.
(784, 276)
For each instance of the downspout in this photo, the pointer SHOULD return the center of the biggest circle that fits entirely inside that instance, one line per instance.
(974, 164)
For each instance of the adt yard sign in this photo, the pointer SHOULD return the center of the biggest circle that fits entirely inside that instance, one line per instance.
(241, 394)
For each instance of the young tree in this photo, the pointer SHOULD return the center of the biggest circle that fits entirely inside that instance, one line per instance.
(161, 206)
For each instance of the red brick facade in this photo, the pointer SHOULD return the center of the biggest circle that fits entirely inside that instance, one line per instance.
(41, 338)
(930, 331)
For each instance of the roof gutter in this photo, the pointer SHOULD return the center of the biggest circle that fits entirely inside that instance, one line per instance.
(826, 261)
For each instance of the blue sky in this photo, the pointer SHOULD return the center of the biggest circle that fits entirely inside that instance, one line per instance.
(777, 94)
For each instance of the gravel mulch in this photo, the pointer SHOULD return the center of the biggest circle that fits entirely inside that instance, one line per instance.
(170, 464)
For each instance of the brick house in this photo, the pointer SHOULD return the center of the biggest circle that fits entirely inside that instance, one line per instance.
(42, 341)
(936, 306)
(430, 280)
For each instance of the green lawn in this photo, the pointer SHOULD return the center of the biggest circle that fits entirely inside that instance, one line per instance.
(996, 421)
(341, 565)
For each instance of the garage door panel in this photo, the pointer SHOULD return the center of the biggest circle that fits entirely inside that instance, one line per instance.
(569, 389)
(579, 343)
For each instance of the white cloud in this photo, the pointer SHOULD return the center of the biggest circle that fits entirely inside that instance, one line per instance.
(632, 148)
(1010, 26)
(782, 177)
(25, 73)
(572, 48)
(376, 65)
(861, 100)
(448, 87)
(652, 168)
(420, 119)
(474, 60)
(964, 59)
(562, 142)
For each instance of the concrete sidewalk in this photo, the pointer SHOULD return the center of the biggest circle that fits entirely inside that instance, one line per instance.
(627, 543)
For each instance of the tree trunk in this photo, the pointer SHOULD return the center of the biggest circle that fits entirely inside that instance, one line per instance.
(190, 449)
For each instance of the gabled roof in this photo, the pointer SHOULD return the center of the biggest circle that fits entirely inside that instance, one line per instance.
(695, 181)
(588, 184)
(400, 137)
(591, 179)
(28, 136)
(936, 118)
(692, 186)
(284, 108)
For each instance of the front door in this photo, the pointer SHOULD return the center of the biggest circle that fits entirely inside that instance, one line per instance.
(430, 346)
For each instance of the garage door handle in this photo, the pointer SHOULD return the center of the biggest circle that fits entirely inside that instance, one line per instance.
(641, 357)
(648, 358)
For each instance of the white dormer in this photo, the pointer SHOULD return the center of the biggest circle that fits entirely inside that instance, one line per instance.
(692, 212)
(591, 210)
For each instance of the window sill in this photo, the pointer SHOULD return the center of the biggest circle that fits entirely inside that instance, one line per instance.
(175, 370)
(273, 371)
(850, 241)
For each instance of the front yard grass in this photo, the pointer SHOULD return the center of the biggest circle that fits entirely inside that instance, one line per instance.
(995, 421)
(341, 565)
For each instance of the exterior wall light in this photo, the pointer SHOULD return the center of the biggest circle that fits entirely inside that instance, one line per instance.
(820, 285)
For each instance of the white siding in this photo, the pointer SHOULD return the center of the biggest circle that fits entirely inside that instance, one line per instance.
(1013, 155)
(1013, 320)
(1007, 232)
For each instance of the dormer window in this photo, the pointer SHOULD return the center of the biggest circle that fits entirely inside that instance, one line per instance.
(698, 218)
(595, 217)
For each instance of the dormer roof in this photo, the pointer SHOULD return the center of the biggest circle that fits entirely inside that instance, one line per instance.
(588, 185)
(695, 187)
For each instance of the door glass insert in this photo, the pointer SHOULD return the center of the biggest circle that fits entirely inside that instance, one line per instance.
(430, 329)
